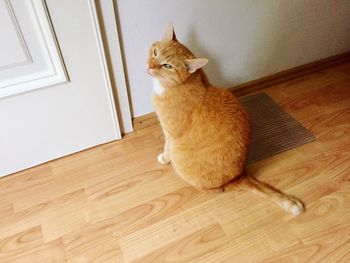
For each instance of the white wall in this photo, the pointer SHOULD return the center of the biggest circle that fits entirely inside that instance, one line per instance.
(244, 39)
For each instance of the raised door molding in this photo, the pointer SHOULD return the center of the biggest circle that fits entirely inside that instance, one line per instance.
(30, 59)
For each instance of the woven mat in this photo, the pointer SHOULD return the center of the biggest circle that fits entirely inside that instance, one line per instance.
(273, 130)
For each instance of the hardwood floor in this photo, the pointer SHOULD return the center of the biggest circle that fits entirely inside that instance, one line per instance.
(115, 203)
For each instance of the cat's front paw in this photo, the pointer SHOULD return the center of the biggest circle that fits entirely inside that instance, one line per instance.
(162, 159)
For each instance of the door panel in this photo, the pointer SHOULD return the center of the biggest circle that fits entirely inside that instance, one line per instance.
(12, 43)
(55, 119)
(29, 55)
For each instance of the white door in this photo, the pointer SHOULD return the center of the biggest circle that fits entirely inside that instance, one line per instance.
(55, 93)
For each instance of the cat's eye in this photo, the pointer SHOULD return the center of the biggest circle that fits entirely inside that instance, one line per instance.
(155, 52)
(167, 66)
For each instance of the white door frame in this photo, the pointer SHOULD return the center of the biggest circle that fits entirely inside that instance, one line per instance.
(103, 60)
(106, 10)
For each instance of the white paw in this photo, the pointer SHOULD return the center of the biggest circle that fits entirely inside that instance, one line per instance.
(162, 159)
(293, 206)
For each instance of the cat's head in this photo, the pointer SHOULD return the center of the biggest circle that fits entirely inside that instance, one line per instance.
(170, 61)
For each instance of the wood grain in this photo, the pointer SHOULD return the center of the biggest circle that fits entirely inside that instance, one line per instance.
(190, 247)
(22, 241)
(115, 203)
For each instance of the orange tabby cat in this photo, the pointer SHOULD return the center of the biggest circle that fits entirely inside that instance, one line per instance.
(206, 129)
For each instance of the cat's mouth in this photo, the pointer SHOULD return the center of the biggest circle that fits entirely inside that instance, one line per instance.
(150, 71)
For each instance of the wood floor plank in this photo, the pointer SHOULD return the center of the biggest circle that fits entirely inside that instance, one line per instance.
(122, 196)
(20, 242)
(92, 243)
(252, 245)
(29, 178)
(190, 247)
(6, 208)
(155, 211)
(51, 252)
(329, 245)
(47, 214)
(68, 216)
(36, 195)
(144, 241)
(332, 210)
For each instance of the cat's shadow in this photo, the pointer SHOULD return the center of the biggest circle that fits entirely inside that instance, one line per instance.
(213, 69)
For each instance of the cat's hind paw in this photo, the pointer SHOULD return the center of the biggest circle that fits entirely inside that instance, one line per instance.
(162, 159)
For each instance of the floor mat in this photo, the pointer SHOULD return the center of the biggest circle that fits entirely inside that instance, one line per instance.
(273, 130)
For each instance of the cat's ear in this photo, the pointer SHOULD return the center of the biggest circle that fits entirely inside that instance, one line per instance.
(170, 33)
(194, 64)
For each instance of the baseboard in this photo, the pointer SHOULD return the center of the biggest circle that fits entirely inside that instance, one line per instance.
(150, 119)
(289, 74)
(145, 121)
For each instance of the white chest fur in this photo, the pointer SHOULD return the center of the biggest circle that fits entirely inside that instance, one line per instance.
(157, 87)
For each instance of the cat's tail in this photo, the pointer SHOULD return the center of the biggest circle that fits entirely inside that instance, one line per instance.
(287, 202)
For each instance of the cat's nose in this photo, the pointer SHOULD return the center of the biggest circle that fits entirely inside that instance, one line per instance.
(150, 65)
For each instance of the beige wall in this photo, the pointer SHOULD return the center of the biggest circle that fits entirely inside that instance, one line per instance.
(244, 39)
